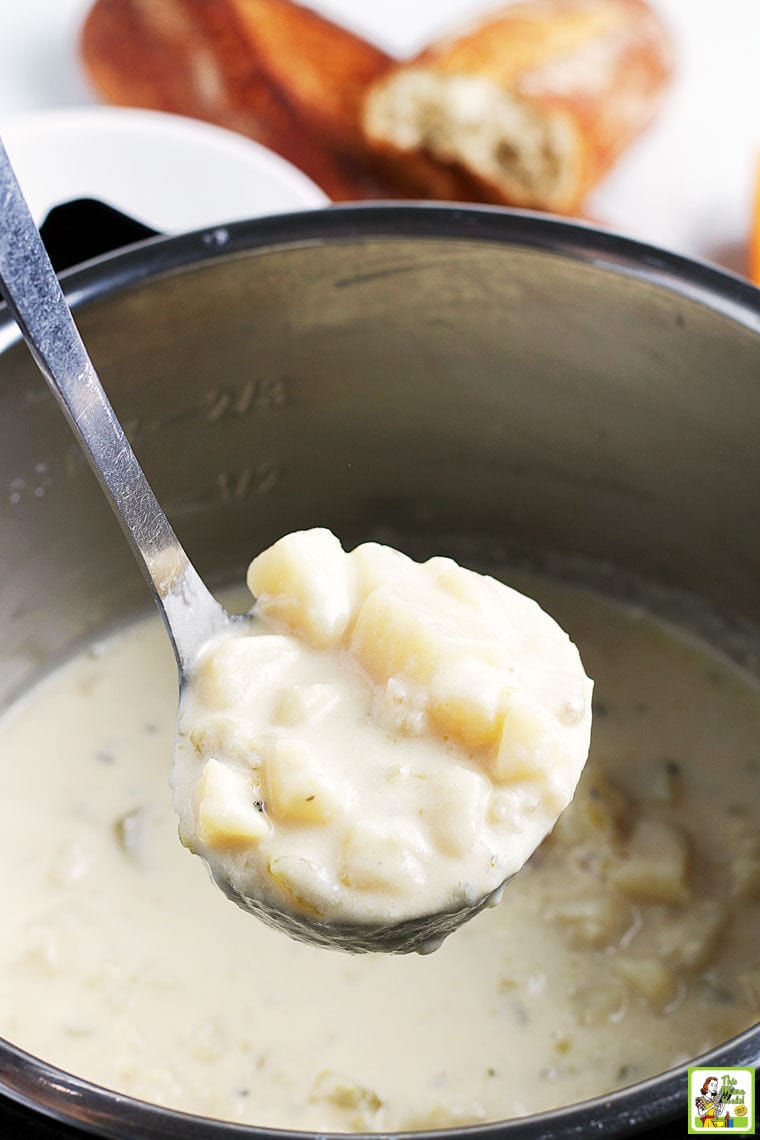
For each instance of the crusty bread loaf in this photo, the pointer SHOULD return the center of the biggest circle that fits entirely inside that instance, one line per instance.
(322, 72)
(321, 69)
(528, 108)
(533, 104)
(254, 66)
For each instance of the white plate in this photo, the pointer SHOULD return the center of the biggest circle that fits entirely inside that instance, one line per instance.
(173, 174)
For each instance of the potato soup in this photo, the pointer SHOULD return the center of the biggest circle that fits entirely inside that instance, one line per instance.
(628, 943)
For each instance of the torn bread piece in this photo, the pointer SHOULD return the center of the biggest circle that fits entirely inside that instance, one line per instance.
(322, 72)
(532, 105)
(253, 66)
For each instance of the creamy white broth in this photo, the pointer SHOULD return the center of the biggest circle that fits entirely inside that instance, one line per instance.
(121, 962)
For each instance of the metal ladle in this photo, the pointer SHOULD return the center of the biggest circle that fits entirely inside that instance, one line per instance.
(191, 614)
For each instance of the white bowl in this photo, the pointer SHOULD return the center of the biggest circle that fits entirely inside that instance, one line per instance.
(171, 173)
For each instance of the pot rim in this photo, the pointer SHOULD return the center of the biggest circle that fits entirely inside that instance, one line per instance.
(70, 1100)
(724, 292)
(34, 1083)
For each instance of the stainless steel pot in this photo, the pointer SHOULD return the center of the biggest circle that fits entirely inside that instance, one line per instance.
(526, 383)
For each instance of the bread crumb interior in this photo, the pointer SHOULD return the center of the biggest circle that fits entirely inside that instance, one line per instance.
(471, 121)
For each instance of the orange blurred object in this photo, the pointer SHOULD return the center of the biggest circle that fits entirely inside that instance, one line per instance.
(754, 240)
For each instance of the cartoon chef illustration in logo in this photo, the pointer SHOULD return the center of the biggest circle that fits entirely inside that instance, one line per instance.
(713, 1112)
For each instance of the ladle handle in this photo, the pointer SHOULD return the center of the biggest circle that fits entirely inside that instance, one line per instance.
(34, 297)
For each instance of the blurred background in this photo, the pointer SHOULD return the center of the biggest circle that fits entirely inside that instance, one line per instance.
(688, 183)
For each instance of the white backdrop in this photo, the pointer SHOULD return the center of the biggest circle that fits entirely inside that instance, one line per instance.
(686, 185)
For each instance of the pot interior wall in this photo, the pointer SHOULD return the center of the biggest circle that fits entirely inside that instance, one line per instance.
(424, 386)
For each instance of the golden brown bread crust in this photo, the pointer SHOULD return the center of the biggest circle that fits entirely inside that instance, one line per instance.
(322, 69)
(598, 67)
(298, 83)
(320, 72)
(272, 70)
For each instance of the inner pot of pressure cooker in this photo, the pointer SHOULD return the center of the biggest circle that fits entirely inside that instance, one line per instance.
(571, 419)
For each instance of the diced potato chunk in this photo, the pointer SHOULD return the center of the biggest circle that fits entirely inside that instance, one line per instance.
(309, 887)
(306, 703)
(461, 583)
(305, 581)
(454, 810)
(530, 745)
(362, 1107)
(376, 565)
(227, 737)
(395, 636)
(483, 596)
(232, 671)
(654, 870)
(689, 942)
(592, 920)
(383, 857)
(600, 812)
(510, 807)
(296, 788)
(468, 703)
(226, 810)
(401, 707)
(601, 1003)
(649, 977)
